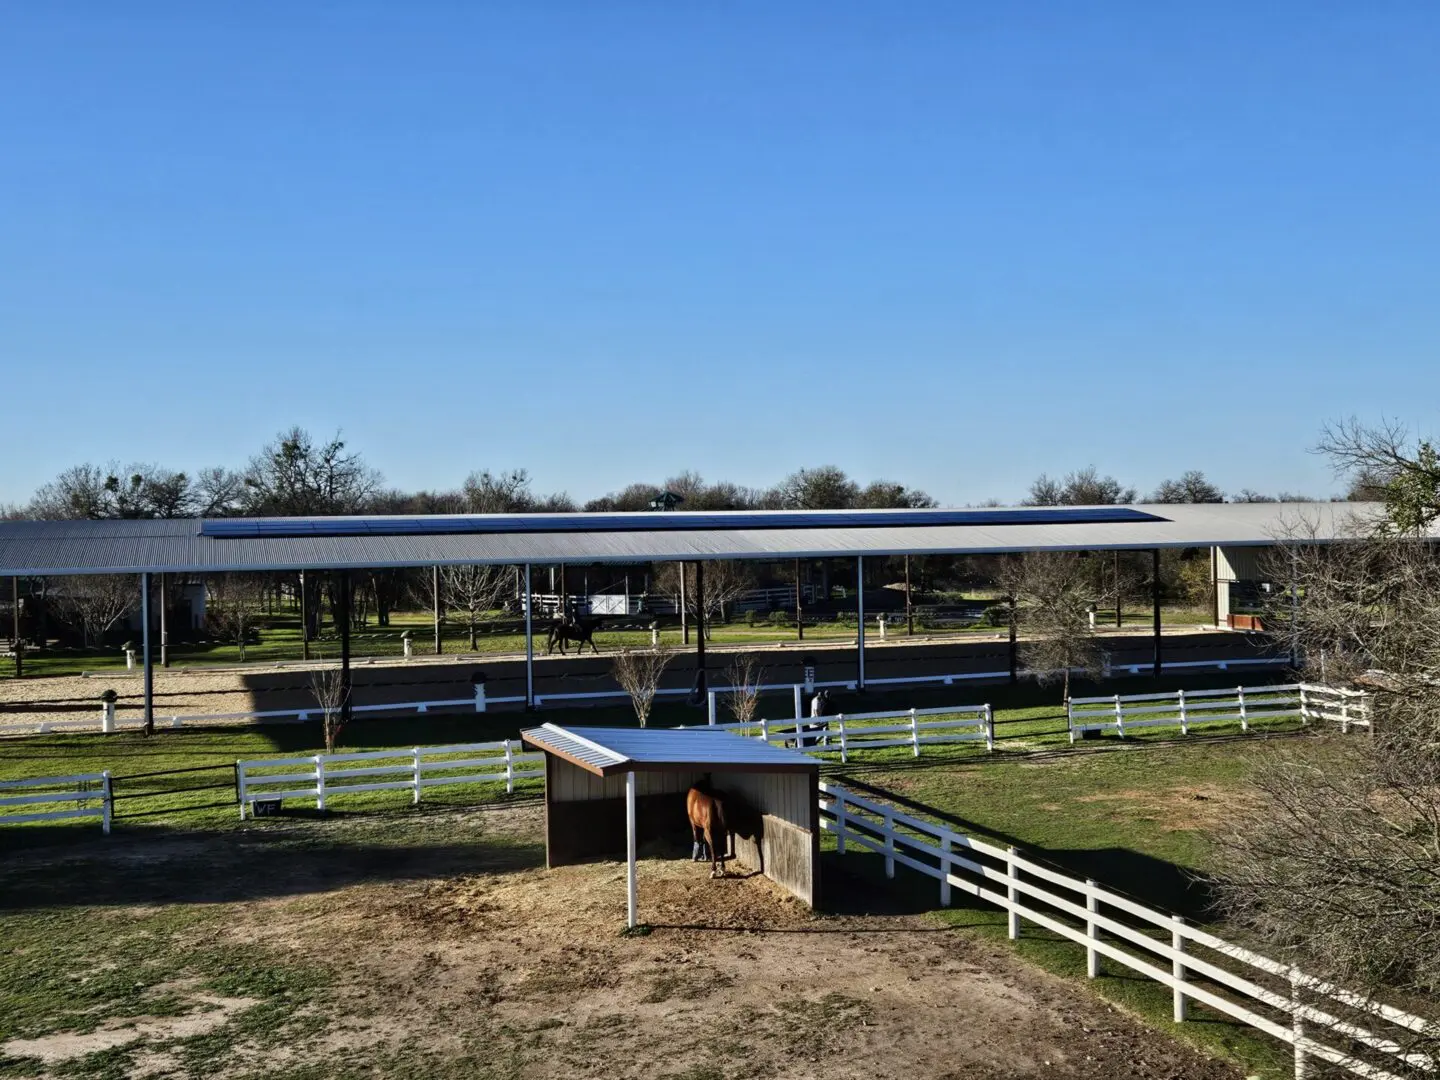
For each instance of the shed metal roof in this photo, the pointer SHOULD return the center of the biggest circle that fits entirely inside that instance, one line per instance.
(606, 751)
(44, 548)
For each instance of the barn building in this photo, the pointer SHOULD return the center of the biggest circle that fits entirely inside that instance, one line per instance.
(608, 790)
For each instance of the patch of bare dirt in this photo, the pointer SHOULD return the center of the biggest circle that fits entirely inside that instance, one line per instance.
(735, 975)
(211, 1012)
(1187, 806)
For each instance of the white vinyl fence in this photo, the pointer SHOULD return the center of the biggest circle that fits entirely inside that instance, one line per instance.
(86, 795)
(1320, 1021)
(1244, 705)
(324, 776)
(848, 733)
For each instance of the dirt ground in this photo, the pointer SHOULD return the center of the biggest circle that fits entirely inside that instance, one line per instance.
(527, 968)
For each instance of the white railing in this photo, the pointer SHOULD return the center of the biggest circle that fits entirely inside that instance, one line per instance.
(848, 733)
(1336, 704)
(323, 776)
(86, 795)
(1244, 705)
(1270, 996)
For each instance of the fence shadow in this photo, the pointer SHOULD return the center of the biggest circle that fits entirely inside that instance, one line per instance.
(1145, 878)
(162, 865)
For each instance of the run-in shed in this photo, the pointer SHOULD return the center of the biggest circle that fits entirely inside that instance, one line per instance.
(608, 786)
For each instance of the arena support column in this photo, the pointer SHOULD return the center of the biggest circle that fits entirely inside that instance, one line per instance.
(146, 666)
(529, 644)
(860, 611)
(1155, 601)
(630, 905)
(700, 626)
(342, 617)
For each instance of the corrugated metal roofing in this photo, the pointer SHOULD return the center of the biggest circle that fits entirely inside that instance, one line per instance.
(605, 750)
(443, 524)
(42, 548)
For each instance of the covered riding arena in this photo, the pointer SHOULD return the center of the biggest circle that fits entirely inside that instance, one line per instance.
(612, 789)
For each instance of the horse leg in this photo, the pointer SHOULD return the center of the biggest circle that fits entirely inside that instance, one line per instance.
(717, 856)
(697, 845)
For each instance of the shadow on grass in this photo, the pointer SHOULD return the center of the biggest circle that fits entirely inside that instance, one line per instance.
(165, 865)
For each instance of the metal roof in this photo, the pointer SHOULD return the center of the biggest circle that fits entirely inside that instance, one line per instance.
(606, 750)
(44, 548)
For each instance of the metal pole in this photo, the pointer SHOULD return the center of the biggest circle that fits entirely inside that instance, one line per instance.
(1155, 600)
(529, 644)
(909, 607)
(304, 619)
(164, 620)
(700, 622)
(147, 667)
(1215, 583)
(435, 596)
(684, 625)
(860, 638)
(15, 626)
(342, 617)
(799, 606)
(630, 904)
(1119, 600)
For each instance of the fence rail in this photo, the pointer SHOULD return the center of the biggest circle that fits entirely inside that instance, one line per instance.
(1320, 1021)
(852, 732)
(85, 795)
(1243, 705)
(324, 776)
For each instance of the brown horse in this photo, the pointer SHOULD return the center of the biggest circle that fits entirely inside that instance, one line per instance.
(707, 824)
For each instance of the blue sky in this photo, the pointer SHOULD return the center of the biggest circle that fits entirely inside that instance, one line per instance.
(954, 245)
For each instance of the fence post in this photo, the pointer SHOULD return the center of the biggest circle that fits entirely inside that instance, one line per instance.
(1092, 931)
(889, 844)
(479, 697)
(990, 729)
(914, 732)
(1297, 1027)
(319, 781)
(240, 788)
(1304, 706)
(710, 708)
(1244, 720)
(415, 759)
(1184, 725)
(509, 768)
(1013, 873)
(799, 703)
(1119, 716)
(1070, 719)
(1344, 717)
(840, 721)
(840, 824)
(945, 870)
(765, 731)
(107, 800)
(1177, 968)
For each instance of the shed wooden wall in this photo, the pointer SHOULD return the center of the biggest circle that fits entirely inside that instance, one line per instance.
(774, 818)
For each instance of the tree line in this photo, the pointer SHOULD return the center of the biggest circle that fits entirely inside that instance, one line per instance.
(299, 474)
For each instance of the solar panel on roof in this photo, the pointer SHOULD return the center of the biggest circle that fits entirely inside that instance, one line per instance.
(238, 528)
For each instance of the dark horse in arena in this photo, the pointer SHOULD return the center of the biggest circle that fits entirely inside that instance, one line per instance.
(707, 827)
(576, 631)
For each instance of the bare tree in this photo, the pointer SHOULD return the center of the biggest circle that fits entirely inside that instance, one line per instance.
(234, 601)
(725, 582)
(1338, 871)
(1379, 461)
(327, 684)
(746, 678)
(638, 673)
(93, 603)
(473, 591)
(1052, 593)
(1084, 487)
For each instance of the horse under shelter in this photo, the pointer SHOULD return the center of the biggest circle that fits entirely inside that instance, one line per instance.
(608, 787)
